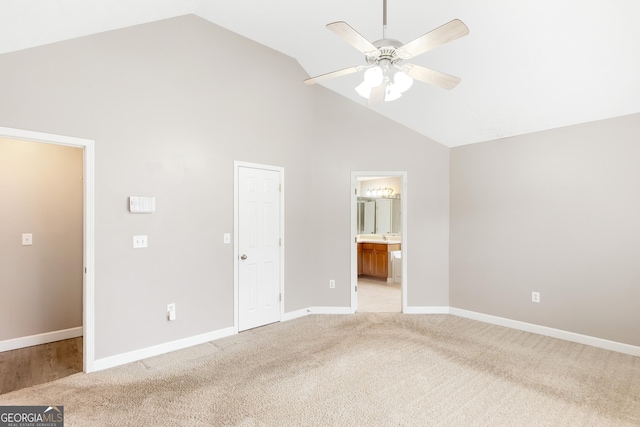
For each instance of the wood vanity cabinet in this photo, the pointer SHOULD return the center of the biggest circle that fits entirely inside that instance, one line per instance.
(366, 258)
(373, 258)
(380, 261)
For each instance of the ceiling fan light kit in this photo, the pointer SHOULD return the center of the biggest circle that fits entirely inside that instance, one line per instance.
(395, 81)
(385, 78)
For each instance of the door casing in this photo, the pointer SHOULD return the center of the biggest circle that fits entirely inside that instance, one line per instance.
(88, 282)
(354, 232)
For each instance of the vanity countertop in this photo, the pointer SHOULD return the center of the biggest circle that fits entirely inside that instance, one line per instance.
(379, 241)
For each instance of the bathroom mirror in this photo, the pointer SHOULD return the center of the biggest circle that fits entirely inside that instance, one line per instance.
(379, 216)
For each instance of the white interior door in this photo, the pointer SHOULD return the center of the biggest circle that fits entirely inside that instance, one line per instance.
(258, 247)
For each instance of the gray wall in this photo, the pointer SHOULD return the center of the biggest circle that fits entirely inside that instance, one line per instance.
(171, 105)
(41, 194)
(352, 138)
(556, 212)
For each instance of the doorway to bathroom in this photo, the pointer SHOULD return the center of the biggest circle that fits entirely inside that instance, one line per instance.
(379, 241)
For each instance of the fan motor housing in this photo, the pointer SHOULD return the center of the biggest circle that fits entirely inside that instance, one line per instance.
(387, 49)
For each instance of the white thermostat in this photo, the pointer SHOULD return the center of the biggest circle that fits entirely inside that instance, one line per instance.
(142, 204)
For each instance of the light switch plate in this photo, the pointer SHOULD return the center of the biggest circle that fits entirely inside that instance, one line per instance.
(142, 204)
(227, 238)
(27, 239)
(139, 242)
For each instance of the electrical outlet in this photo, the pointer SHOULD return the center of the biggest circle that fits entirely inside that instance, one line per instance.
(171, 311)
(535, 296)
(332, 284)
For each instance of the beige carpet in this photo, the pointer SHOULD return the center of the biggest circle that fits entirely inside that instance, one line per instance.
(359, 370)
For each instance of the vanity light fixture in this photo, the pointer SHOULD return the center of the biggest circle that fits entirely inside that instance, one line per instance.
(379, 192)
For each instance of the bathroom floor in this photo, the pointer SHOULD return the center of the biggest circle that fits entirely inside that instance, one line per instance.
(376, 295)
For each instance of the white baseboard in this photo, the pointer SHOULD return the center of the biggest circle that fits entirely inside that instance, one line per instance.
(550, 332)
(426, 310)
(143, 353)
(156, 350)
(38, 339)
(295, 314)
(121, 359)
(329, 310)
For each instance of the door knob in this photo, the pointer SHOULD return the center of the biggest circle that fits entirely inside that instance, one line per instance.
(243, 257)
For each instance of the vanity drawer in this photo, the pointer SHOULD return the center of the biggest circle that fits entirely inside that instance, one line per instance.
(386, 247)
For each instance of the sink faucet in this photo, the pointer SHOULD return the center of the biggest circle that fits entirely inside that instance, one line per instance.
(384, 237)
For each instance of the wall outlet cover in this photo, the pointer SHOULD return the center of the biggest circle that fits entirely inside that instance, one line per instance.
(27, 239)
(171, 311)
(535, 296)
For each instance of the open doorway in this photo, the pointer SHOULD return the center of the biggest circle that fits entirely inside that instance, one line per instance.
(86, 254)
(379, 241)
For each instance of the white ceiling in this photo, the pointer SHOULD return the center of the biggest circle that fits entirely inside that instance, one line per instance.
(525, 66)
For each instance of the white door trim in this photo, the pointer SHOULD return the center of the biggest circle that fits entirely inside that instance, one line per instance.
(88, 298)
(236, 250)
(354, 232)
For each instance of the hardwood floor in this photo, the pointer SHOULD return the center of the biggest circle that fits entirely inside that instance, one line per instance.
(29, 366)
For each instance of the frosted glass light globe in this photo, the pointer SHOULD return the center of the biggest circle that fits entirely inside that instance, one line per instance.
(402, 81)
(391, 94)
(374, 76)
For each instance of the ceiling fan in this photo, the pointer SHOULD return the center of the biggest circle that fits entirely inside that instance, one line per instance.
(385, 76)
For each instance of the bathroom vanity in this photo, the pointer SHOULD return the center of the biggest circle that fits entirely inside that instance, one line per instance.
(374, 257)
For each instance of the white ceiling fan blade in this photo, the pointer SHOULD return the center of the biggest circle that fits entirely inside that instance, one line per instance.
(450, 31)
(429, 76)
(354, 38)
(377, 95)
(334, 74)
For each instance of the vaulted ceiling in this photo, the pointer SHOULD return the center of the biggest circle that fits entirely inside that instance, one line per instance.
(525, 66)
